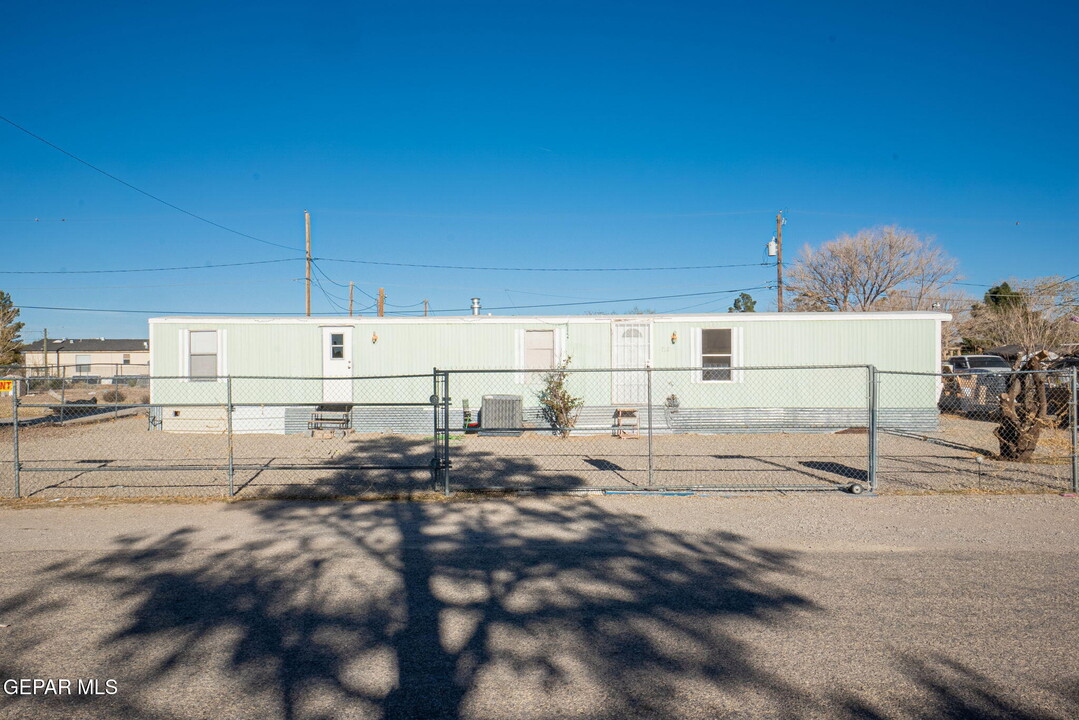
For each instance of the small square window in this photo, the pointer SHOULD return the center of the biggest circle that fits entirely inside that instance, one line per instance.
(337, 346)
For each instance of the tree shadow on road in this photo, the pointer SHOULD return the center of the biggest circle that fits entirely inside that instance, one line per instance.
(402, 610)
(952, 690)
(539, 609)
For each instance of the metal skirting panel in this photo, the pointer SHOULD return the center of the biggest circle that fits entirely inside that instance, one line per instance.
(251, 420)
(194, 419)
(920, 419)
(758, 420)
(296, 419)
(599, 420)
(403, 420)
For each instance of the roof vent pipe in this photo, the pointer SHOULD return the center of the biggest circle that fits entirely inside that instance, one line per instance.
(475, 306)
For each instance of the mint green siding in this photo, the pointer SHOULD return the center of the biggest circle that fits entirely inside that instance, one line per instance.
(293, 349)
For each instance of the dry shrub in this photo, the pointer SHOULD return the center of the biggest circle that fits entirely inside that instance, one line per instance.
(113, 396)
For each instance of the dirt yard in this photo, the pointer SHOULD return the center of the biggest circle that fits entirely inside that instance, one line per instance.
(123, 457)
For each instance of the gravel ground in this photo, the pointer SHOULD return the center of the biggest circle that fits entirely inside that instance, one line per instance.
(800, 607)
(959, 457)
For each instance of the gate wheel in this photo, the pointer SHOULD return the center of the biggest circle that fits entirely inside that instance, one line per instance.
(856, 488)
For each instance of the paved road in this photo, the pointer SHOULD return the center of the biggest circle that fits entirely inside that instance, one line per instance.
(614, 607)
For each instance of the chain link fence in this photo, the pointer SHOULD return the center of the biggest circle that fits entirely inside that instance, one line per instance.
(663, 429)
(89, 373)
(978, 438)
(715, 428)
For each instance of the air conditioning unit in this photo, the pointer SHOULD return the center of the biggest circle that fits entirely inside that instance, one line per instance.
(501, 415)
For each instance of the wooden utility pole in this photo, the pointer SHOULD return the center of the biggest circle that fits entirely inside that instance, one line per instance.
(381, 302)
(779, 261)
(307, 226)
(45, 351)
(425, 307)
(350, 298)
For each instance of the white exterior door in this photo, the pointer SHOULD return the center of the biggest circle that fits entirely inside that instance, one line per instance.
(631, 346)
(336, 363)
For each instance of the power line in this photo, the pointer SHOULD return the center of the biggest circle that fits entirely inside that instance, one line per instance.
(328, 278)
(162, 285)
(535, 269)
(327, 292)
(603, 302)
(141, 191)
(990, 285)
(328, 298)
(1057, 284)
(156, 312)
(139, 270)
(341, 284)
(288, 314)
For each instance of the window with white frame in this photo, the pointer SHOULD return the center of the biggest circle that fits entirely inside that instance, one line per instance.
(202, 355)
(337, 346)
(539, 352)
(82, 364)
(127, 358)
(716, 355)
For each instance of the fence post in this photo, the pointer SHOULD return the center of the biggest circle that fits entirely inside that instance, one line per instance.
(648, 374)
(1074, 420)
(436, 465)
(228, 429)
(63, 394)
(446, 430)
(15, 432)
(871, 472)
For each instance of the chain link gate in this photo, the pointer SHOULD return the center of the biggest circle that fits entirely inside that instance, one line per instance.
(440, 409)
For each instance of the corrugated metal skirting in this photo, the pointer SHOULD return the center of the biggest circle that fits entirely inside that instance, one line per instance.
(599, 420)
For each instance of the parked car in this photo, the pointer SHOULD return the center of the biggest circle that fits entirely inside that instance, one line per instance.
(979, 363)
(976, 385)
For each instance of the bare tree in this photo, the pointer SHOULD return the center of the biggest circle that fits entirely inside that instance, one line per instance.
(1039, 317)
(885, 268)
(1033, 315)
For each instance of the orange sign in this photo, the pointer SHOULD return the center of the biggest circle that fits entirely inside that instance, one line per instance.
(5, 385)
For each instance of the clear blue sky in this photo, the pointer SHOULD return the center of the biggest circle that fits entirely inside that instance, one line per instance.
(543, 134)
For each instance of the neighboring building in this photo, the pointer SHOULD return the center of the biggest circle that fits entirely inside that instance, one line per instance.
(89, 359)
(715, 351)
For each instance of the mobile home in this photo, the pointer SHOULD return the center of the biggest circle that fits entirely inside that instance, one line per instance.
(285, 370)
